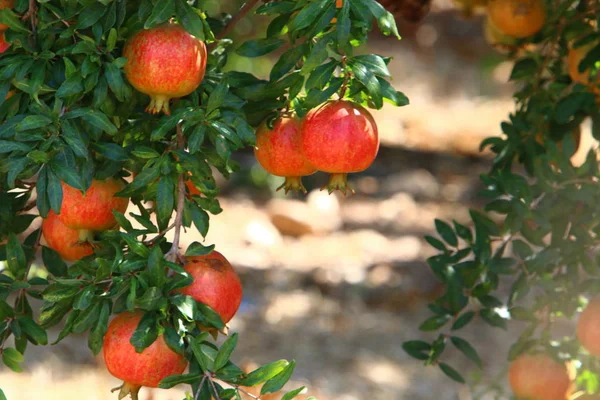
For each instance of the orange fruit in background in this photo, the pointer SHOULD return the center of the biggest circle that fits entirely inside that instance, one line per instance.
(517, 18)
(539, 377)
(588, 327)
(497, 39)
(574, 58)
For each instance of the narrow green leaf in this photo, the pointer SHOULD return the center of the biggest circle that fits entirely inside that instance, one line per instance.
(276, 383)
(35, 333)
(451, 373)
(463, 320)
(259, 47)
(446, 232)
(264, 373)
(225, 351)
(174, 380)
(466, 349)
(161, 12)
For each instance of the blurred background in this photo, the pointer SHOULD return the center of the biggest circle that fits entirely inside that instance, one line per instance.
(339, 283)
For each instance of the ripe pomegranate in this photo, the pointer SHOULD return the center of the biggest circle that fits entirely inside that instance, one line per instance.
(63, 240)
(164, 62)
(4, 45)
(517, 18)
(92, 211)
(588, 327)
(539, 377)
(147, 368)
(215, 284)
(339, 137)
(6, 4)
(279, 151)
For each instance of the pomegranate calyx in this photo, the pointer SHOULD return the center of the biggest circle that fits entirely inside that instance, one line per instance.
(127, 388)
(85, 236)
(157, 104)
(338, 182)
(293, 183)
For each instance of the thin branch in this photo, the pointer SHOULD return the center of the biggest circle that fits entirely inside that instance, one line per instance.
(160, 235)
(197, 396)
(32, 15)
(245, 9)
(212, 384)
(173, 254)
(246, 392)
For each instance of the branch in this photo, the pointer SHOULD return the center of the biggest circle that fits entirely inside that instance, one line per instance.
(32, 15)
(245, 9)
(173, 254)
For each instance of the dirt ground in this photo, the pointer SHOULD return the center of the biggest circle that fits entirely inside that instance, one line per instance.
(339, 283)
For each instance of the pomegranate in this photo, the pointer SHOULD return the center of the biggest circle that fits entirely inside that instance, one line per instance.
(92, 211)
(4, 45)
(588, 327)
(6, 4)
(164, 62)
(539, 377)
(147, 368)
(339, 137)
(278, 150)
(215, 284)
(63, 240)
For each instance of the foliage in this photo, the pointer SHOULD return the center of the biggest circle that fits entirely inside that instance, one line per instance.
(532, 256)
(74, 117)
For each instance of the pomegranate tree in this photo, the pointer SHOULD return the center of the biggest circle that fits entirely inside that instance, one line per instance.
(339, 137)
(164, 62)
(279, 151)
(93, 175)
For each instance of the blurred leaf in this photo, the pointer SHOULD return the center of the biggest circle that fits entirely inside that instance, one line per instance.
(451, 373)
(466, 349)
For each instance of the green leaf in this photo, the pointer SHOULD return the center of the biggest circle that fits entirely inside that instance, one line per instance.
(259, 47)
(385, 20)
(308, 15)
(417, 349)
(84, 299)
(90, 15)
(434, 323)
(96, 336)
(35, 333)
(373, 63)
(466, 349)
(293, 393)
(173, 340)
(462, 231)
(6, 311)
(2, 395)
(161, 12)
(264, 373)
(10, 18)
(174, 380)
(189, 18)
(463, 320)
(204, 354)
(15, 257)
(446, 232)
(276, 383)
(12, 359)
(451, 373)
(391, 95)
(321, 75)
(150, 300)
(145, 334)
(87, 318)
(573, 103)
(524, 68)
(156, 268)
(435, 243)
(165, 200)
(225, 351)
(217, 97)
(33, 122)
(287, 61)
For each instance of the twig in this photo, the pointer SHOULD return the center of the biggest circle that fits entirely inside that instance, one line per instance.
(197, 396)
(32, 15)
(160, 235)
(246, 392)
(212, 384)
(173, 254)
(245, 9)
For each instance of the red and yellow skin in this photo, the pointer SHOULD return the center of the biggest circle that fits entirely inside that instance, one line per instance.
(279, 151)
(6, 4)
(147, 368)
(215, 284)
(588, 327)
(63, 240)
(517, 18)
(539, 377)
(92, 211)
(339, 137)
(164, 62)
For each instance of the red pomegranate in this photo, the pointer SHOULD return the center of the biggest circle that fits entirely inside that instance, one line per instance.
(6, 4)
(539, 377)
(92, 211)
(339, 137)
(215, 284)
(164, 62)
(279, 151)
(147, 368)
(4, 45)
(63, 240)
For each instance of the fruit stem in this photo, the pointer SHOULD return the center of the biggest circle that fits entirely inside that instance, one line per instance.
(338, 182)
(127, 388)
(293, 183)
(157, 104)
